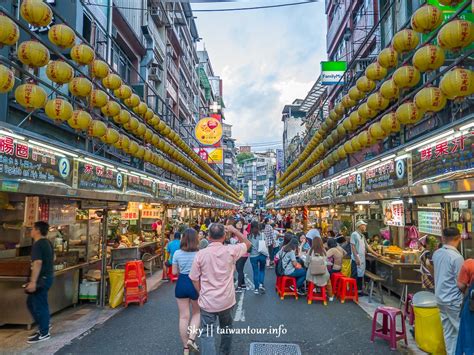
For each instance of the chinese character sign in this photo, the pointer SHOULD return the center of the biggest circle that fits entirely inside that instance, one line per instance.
(394, 213)
(96, 177)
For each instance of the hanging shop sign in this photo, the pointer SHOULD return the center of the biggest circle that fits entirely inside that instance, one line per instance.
(208, 131)
(152, 213)
(164, 191)
(22, 162)
(179, 192)
(211, 155)
(140, 185)
(430, 222)
(332, 73)
(394, 213)
(388, 175)
(349, 185)
(450, 155)
(61, 213)
(132, 212)
(99, 178)
(31, 211)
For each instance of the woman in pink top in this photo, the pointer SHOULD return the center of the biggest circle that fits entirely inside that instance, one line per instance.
(240, 264)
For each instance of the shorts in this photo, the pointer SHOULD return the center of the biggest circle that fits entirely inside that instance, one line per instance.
(185, 288)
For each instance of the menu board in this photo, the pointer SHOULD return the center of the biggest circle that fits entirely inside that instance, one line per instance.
(138, 184)
(349, 185)
(22, 162)
(430, 222)
(99, 178)
(387, 175)
(394, 213)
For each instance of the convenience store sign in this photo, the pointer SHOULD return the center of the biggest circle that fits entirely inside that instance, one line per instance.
(332, 73)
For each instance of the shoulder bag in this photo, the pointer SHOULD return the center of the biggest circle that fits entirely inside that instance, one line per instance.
(317, 265)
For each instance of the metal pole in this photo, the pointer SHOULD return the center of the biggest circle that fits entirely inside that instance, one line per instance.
(103, 283)
(163, 229)
(109, 31)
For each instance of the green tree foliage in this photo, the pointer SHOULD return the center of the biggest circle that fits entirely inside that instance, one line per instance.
(243, 156)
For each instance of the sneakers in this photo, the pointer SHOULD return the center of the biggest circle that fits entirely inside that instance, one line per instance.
(239, 290)
(331, 299)
(301, 292)
(291, 288)
(35, 334)
(256, 291)
(192, 345)
(39, 338)
(262, 289)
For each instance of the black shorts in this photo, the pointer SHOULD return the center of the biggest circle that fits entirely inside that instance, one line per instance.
(185, 288)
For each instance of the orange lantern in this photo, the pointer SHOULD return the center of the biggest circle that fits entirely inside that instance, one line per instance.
(58, 109)
(409, 113)
(377, 102)
(131, 125)
(388, 58)
(59, 72)
(365, 139)
(99, 69)
(132, 101)
(406, 77)
(122, 143)
(82, 54)
(111, 136)
(30, 96)
(364, 84)
(375, 71)
(9, 31)
(7, 79)
(347, 102)
(122, 118)
(355, 94)
(112, 81)
(457, 84)
(428, 58)
(33, 54)
(111, 109)
(80, 87)
(365, 112)
(36, 12)
(390, 123)
(356, 120)
(389, 90)
(430, 99)
(62, 36)
(80, 120)
(456, 34)
(98, 98)
(123, 92)
(405, 40)
(426, 19)
(97, 129)
(140, 109)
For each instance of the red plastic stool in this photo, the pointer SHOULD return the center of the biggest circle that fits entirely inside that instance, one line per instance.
(389, 331)
(285, 284)
(277, 284)
(335, 278)
(313, 295)
(347, 289)
(408, 309)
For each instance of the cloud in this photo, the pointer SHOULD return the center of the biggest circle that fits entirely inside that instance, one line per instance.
(266, 58)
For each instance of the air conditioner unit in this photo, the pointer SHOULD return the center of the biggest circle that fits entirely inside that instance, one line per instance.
(363, 63)
(155, 74)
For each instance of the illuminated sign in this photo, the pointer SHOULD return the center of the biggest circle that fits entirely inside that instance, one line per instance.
(332, 73)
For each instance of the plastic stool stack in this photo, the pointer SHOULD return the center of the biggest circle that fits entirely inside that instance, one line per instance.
(135, 283)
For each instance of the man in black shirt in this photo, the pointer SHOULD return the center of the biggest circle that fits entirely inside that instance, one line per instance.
(41, 279)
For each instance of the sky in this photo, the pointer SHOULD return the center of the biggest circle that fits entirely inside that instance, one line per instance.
(266, 58)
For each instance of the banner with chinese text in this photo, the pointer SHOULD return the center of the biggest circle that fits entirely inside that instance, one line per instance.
(101, 178)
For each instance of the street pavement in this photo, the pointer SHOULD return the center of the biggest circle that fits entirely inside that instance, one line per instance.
(317, 329)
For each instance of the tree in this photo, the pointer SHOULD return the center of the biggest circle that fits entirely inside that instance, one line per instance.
(243, 156)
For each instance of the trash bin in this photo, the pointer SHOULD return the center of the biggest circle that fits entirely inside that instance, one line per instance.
(117, 282)
(428, 329)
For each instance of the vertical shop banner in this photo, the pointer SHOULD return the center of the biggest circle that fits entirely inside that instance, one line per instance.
(140, 185)
(394, 213)
(99, 178)
(280, 161)
(388, 175)
(20, 161)
(31, 211)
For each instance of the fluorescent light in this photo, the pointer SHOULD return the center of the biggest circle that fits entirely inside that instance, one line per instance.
(362, 203)
(404, 156)
(431, 140)
(462, 128)
(388, 157)
(396, 202)
(89, 160)
(57, 150)
(123, 170)
(13, 135)
(459, 196)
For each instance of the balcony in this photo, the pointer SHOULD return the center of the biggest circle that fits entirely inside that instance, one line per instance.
(340, 14)
(173, 70)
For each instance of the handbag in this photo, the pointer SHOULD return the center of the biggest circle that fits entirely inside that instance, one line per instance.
(317, 265)
(262, 247)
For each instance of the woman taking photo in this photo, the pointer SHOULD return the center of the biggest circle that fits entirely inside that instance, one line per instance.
(185, 292)
(240, 263)
(320, 280)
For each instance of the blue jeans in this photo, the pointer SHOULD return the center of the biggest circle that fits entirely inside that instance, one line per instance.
(300, 276)
(258, 266)
(209, 326)
(37, 303)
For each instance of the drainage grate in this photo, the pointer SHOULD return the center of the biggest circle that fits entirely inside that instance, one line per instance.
(274, 349)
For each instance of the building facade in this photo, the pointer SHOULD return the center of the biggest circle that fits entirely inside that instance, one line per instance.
(293, 129)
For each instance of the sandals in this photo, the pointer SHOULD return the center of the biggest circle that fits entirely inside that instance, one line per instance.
(186, 351)
(192, 345)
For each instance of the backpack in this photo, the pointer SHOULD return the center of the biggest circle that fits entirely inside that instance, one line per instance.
(279, 268)
(317, 265)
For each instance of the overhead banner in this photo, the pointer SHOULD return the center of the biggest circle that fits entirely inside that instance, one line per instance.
(332, 73)
(208, 131)
(388, 175)
(211, 155)
(99, 178)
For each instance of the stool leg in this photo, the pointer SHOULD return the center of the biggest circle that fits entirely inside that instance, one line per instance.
(374, 327)
(381, 292)
(404, 330)
(402, 298)
(393, 333)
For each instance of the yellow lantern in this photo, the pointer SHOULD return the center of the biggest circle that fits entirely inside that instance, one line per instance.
(405, 40)
(80, 120)
(36, 12)
(99, 69)
(148, 135)
(149, 115)
(341, 152)
(341, 130)
(456, 34)
(390, 123)
(426, 19)
(339, 108)
(457, 84)
(133, 148)
(122, 118)
(376, 131)
(59, 72)
(355, 94)
(58, 109)
(140, 130)
(406, 77)
(355, 144)
(30, 96)
(82, 54)
(98, 98)
(132, 101)
(356, 119)
(62, 36)
(364, 84)
(365, 139)
(409, 113)
(334, 116)
(155, 140)
(7, 79)
(140, 153)
(430, 99)
(140, 109)
(9, 31)
(80, 87)
(375, 71)
(131, 125)
(112, 81)
(347, 102)
(148, 155)
(154, 120)
(97, 129)
(122, 143)
(365, 112)
(388, 57)
(111, 136)
(33, 54)
(377, 102)
(347, 124)
(389, 90)
(428, 57)
(123, 92)
(111, 109)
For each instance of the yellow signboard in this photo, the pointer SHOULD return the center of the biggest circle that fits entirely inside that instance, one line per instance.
(211, 155)
(208, 131)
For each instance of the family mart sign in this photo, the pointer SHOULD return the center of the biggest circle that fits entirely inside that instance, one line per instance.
(332, 73)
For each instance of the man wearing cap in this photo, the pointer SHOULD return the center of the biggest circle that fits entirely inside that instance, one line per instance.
(359, 248)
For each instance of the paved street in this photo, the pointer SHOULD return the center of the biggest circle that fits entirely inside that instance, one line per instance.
(153, 328)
